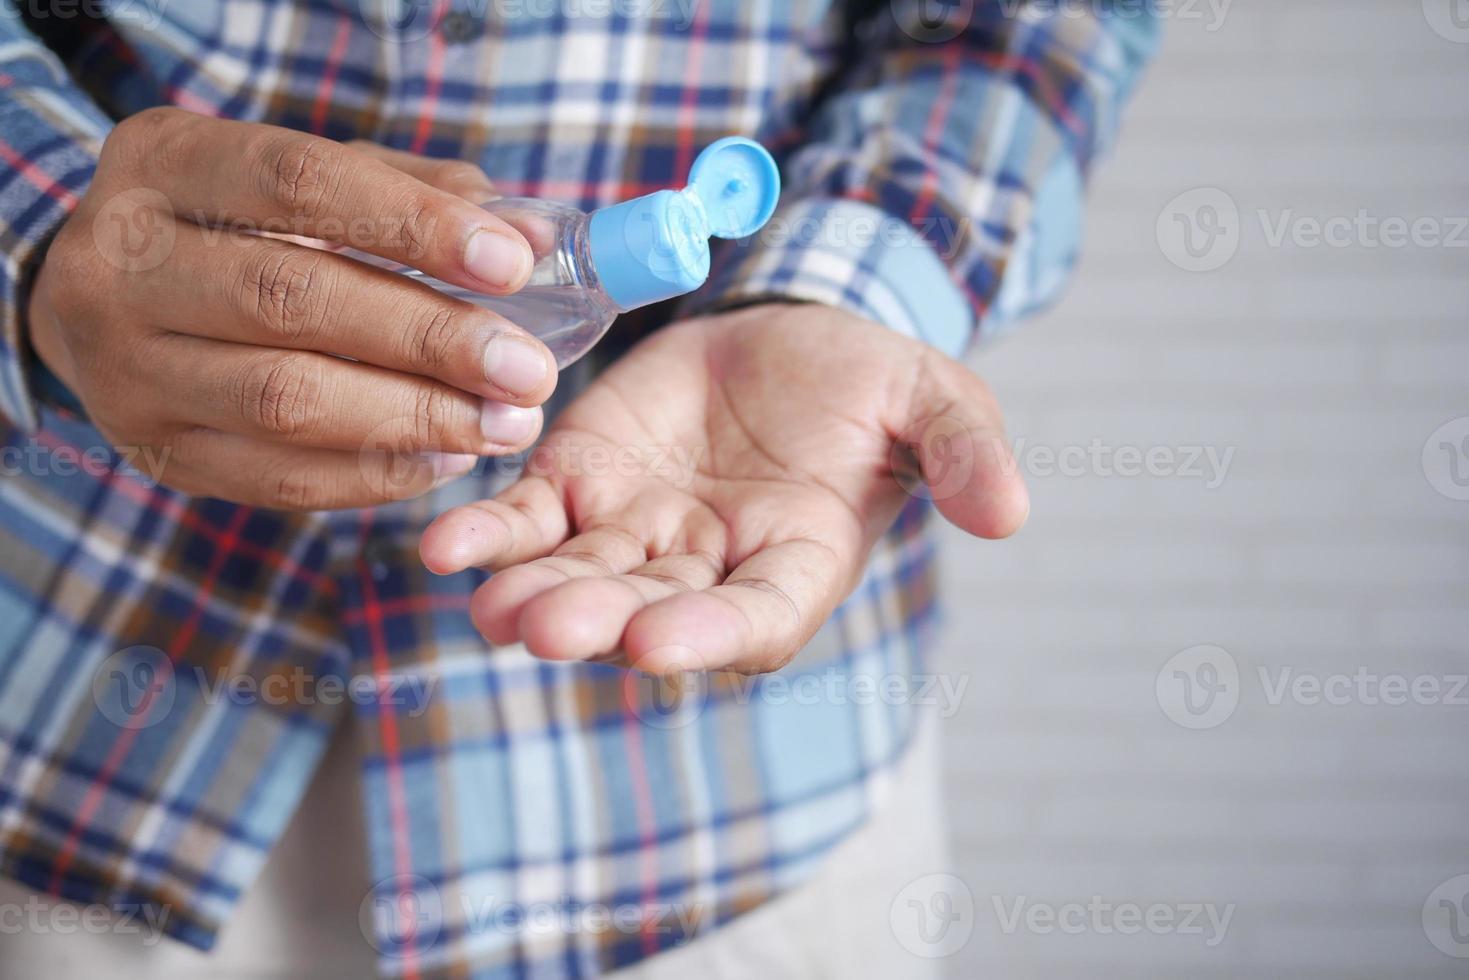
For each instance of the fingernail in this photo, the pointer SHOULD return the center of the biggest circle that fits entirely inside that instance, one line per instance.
(496, 260)
(507, 425)
(514, 364)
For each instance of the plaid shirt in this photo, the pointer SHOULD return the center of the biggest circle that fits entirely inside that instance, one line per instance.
(525, 818)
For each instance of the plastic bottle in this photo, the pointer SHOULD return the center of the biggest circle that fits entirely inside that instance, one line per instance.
(591, 267)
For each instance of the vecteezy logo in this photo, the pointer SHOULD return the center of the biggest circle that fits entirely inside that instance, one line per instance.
(1446, 459)
(933, 459)
(395, 470)
(1199, 687)
(404, 21)
(134, 688)
(1199, 230)
(1448, 18)
(933, 916)
(666, 702)
(402, 916)
(1446, 917)
(135, 230)
(933, 21)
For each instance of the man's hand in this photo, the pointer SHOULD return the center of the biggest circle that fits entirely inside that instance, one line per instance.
(184, 306)
(712, 497)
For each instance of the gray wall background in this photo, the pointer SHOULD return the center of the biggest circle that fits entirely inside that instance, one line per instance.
(1332, 545)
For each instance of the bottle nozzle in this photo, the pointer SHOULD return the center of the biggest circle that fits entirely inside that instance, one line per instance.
(656, 247)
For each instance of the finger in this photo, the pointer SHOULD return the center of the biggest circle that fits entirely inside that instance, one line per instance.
(756, 621)
(458, 177)
(524, 522)
(606, 551)
(309, 399)
(270, 475)
(539, 229)
(954, 431)
(464, 179)
(585, 618)
(471, 183)
(271, 293)
(218, 171)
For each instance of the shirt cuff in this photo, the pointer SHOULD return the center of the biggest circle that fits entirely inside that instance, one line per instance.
(37, 198)
(850, 255)
(49, 142)
(1045, 250)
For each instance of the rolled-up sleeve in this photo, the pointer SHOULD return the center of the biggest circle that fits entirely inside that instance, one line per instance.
(938, 187)
(50, 135)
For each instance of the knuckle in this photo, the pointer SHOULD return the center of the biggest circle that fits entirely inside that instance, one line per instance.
(280, 395)
(294, 488)
(432, 339)
(415, 229)
(301, 175)
(157, 140)
(283, 285)
(156, 118)
(430, 420)
(146, 127)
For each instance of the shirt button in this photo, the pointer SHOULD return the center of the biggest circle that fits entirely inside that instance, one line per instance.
(458, 27)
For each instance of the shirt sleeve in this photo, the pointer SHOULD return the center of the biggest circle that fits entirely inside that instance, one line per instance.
(938, 187)
(50, 135)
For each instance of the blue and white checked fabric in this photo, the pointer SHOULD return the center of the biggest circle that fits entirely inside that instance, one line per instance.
(170, 667)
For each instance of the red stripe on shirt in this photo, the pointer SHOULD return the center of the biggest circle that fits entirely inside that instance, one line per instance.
(688, 105)
(330, 71)
(38, 177)
(392, 748)
(433, 81)
(125, 739)
(938, 119)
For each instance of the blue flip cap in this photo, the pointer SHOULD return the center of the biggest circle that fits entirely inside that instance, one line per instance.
(657, 247)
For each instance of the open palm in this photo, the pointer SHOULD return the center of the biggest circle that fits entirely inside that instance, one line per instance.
(710, 499)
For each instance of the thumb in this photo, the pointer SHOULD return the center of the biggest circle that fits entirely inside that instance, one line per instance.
(950, 448)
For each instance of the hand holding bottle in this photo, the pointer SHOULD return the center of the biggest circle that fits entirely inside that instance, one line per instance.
(591, 267)
(177, 332)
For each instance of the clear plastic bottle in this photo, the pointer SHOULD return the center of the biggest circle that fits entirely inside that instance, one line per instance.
(563, 303)
(591, 267)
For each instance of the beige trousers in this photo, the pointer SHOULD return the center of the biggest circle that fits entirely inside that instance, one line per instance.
(301, 917)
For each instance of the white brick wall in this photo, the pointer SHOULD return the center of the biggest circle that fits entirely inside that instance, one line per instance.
(1325, 549)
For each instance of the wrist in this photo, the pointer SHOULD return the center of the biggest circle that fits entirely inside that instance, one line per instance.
(53, 367)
